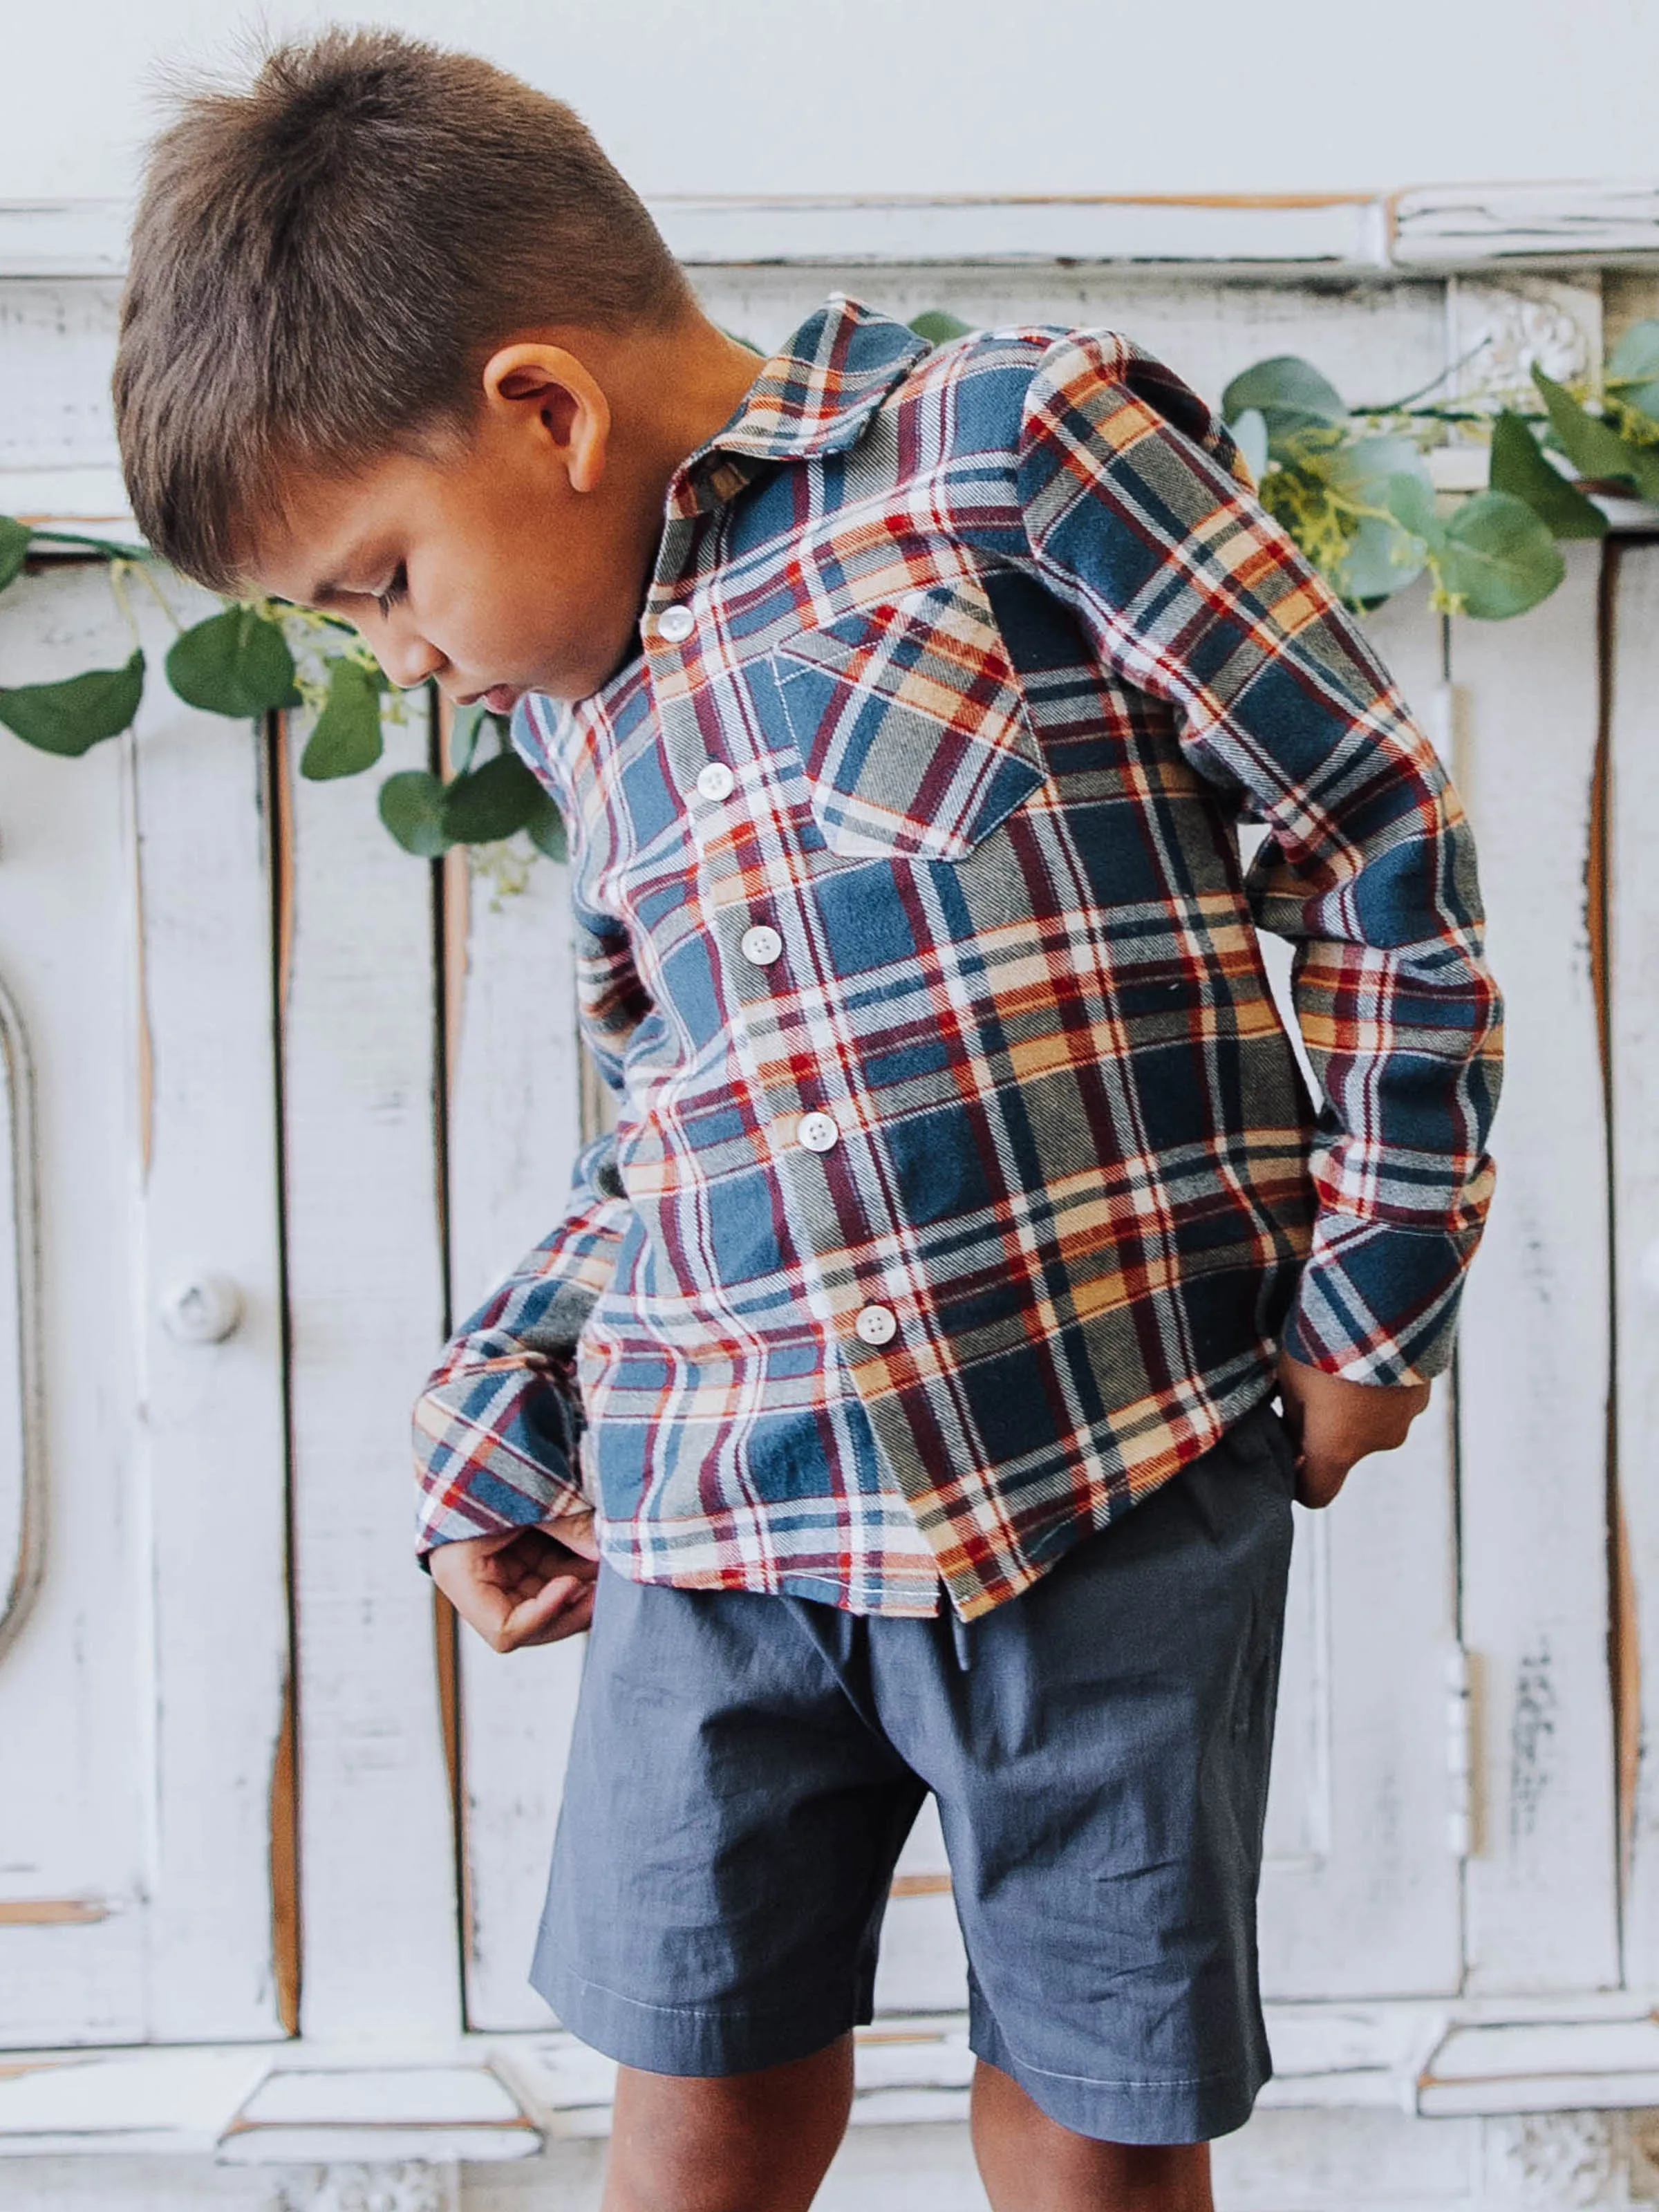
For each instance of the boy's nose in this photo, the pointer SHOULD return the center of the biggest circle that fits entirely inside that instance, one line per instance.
(407, 659)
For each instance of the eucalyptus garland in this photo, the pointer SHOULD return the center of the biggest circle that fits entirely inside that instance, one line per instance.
(1353, 485)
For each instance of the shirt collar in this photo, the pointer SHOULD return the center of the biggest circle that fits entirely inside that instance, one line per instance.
(818, 393)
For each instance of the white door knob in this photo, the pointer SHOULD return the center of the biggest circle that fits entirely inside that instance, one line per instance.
(203, 1311)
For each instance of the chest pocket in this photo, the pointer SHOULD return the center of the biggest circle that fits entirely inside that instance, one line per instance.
(908, 718)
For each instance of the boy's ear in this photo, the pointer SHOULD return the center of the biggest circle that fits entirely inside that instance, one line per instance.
(547, 387)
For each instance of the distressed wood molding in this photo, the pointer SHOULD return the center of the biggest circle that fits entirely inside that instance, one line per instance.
(1464, 225)
(1544, 2064)
(1422, 227)
(378, 2116)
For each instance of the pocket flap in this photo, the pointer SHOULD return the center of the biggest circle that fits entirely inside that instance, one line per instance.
(910, 722)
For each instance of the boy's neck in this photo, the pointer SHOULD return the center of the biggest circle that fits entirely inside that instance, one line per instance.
(671, 391)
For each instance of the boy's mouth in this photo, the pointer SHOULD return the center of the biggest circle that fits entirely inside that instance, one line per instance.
(501, 699)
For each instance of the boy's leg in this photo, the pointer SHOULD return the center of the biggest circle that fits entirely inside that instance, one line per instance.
(1029, 2163)
(730, 1822)
(1099, 1747)
(739, 2142)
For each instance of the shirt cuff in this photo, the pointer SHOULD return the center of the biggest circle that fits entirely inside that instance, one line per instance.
(497, 1450)
(1377, 1302)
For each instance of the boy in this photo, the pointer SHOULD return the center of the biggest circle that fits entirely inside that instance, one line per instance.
(906, 1354)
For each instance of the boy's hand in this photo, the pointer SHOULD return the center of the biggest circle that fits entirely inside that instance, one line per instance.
(1335, 1423)
(522, 1586)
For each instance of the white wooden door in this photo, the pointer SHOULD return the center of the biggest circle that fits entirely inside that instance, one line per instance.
(142, 1682)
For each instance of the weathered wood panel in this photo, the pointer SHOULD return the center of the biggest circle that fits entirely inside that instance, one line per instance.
(213, 1454)
(1633, 959)
(514, 1128)
(366, 1303)
(1361, 1888)
(1534, 1361)
(75, 1684)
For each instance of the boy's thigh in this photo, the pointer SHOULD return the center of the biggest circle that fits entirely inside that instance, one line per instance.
(1101, 1763)
(726, 1837)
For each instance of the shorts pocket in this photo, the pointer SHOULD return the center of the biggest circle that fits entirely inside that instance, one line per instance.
(911, 724)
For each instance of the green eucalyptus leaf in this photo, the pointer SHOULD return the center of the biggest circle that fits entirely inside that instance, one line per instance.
(1364, 470)
(235, 663)
(1289, 394)
(1410, 500)
(546, 828)
(1249, 433)
(1382, 559)
(1636, 354)
(345, 738)
(1593, 447)
(1520, 467)
(490, 802)
(463, 737)
(411, 805)
(938, 328)
(13, 549)
(1498, 558)
(1633, 367)
(71, 717)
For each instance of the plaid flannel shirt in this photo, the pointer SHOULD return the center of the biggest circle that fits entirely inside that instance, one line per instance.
(964, 1184)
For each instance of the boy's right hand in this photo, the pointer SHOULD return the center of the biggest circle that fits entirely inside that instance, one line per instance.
(521, 1586)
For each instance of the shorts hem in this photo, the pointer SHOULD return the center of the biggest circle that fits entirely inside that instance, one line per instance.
(1179, 2109)
(705, 2041)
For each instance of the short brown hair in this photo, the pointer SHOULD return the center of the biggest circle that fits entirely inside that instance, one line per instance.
(322, 262)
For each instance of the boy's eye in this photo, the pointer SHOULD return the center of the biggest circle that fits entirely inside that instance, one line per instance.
(387, 599)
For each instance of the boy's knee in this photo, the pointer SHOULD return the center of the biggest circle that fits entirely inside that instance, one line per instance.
(741, 2143)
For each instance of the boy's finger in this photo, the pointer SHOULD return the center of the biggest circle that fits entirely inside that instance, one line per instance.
(525, 1621)
(484, 1607)
(572, 1620)
(1318, 1481)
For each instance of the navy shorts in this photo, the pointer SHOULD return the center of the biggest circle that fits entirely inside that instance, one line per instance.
(745, 1768)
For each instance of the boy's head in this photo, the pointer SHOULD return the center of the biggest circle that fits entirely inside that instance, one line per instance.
(394, 342)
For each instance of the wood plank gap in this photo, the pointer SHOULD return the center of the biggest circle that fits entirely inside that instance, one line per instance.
(287, 1934)
(1624, 1642)
(145, 1036)
(921, 1885)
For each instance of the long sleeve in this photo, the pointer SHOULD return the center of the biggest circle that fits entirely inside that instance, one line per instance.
(1141, 517)
(498, 1426)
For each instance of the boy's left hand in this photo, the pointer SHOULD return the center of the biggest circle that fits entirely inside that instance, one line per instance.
(1336, 1423)
(521, 1586)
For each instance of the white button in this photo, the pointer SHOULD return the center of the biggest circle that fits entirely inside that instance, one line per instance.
(716, 780)
(818, 1131)
(760, 945)
(876, 1324)
(676, 624)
